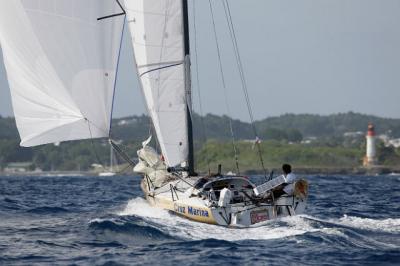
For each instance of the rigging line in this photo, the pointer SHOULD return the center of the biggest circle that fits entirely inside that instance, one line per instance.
(111, 16)
(224, 89)
(121, 153)
(122, 8)
(115, 161)
(180, 179)
(116, 71)
(232, 34)
(124, 169)
(126, 147)
(114, 15)
(244, 85)
(198, 88)
(239, 61)
(93, 146)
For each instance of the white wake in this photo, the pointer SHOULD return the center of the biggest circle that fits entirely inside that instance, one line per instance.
(183, 228)
(287, 227)
(390, 225)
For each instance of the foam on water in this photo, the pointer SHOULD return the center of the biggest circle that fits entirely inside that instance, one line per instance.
(100, 221)
(184, 228)
(280, 228)
(390, 225)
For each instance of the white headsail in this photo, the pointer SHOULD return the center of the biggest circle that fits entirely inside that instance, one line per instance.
(61, 65)
(157, 32)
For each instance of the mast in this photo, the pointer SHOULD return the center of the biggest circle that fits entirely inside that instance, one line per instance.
(111, 158)
(188, 87)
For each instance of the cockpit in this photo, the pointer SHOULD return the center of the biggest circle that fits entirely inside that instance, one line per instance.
(240, 188)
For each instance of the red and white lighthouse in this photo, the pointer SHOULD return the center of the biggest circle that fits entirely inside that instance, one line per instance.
(370, 157)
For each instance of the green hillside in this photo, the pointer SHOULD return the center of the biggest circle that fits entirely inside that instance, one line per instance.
(281, 137)
(217, 127)
(275, 153)
(331, 125)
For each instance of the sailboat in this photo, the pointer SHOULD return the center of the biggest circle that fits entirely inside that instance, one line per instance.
(160, 38)
(61, 59)
(110, 171)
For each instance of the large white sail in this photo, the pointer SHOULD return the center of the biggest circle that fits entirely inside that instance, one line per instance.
(61, 66)
(156, 28)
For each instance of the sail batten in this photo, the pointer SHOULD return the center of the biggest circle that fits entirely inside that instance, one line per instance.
(161, 64)
(61, 66)
(157, 33)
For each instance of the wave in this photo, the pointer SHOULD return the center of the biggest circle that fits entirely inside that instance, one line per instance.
(52, 244)
(390, 225)
(280, 228)
(10, 204)
(132, 227)
(186, 229)
(47, 210)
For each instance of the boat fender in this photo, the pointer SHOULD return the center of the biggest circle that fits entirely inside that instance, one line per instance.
(301, 189)
(225, 197)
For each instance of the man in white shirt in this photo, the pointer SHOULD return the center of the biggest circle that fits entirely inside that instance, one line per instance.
(290, 178)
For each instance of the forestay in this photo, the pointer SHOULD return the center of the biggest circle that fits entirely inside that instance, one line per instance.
(61, 66)
(156, 28)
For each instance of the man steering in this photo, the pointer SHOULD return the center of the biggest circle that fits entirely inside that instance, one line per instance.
(290, 178)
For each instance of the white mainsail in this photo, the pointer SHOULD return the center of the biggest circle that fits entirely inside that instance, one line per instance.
(61, 66)
(157, 33)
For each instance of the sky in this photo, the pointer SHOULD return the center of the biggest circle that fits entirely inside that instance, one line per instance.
(303, 56)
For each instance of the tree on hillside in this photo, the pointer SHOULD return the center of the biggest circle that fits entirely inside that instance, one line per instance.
(292, 135)
(387, 155)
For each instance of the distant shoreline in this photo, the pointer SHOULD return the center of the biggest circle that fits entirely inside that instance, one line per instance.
(54, 173)
(302, 170)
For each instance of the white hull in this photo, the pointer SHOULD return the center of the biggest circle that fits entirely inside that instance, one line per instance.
(216, 199)
(107, 174)
(242, 210)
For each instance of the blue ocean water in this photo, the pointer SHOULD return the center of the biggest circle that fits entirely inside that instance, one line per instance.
(351, 220)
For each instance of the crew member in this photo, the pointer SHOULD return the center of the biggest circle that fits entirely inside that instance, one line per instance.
(290, 178)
